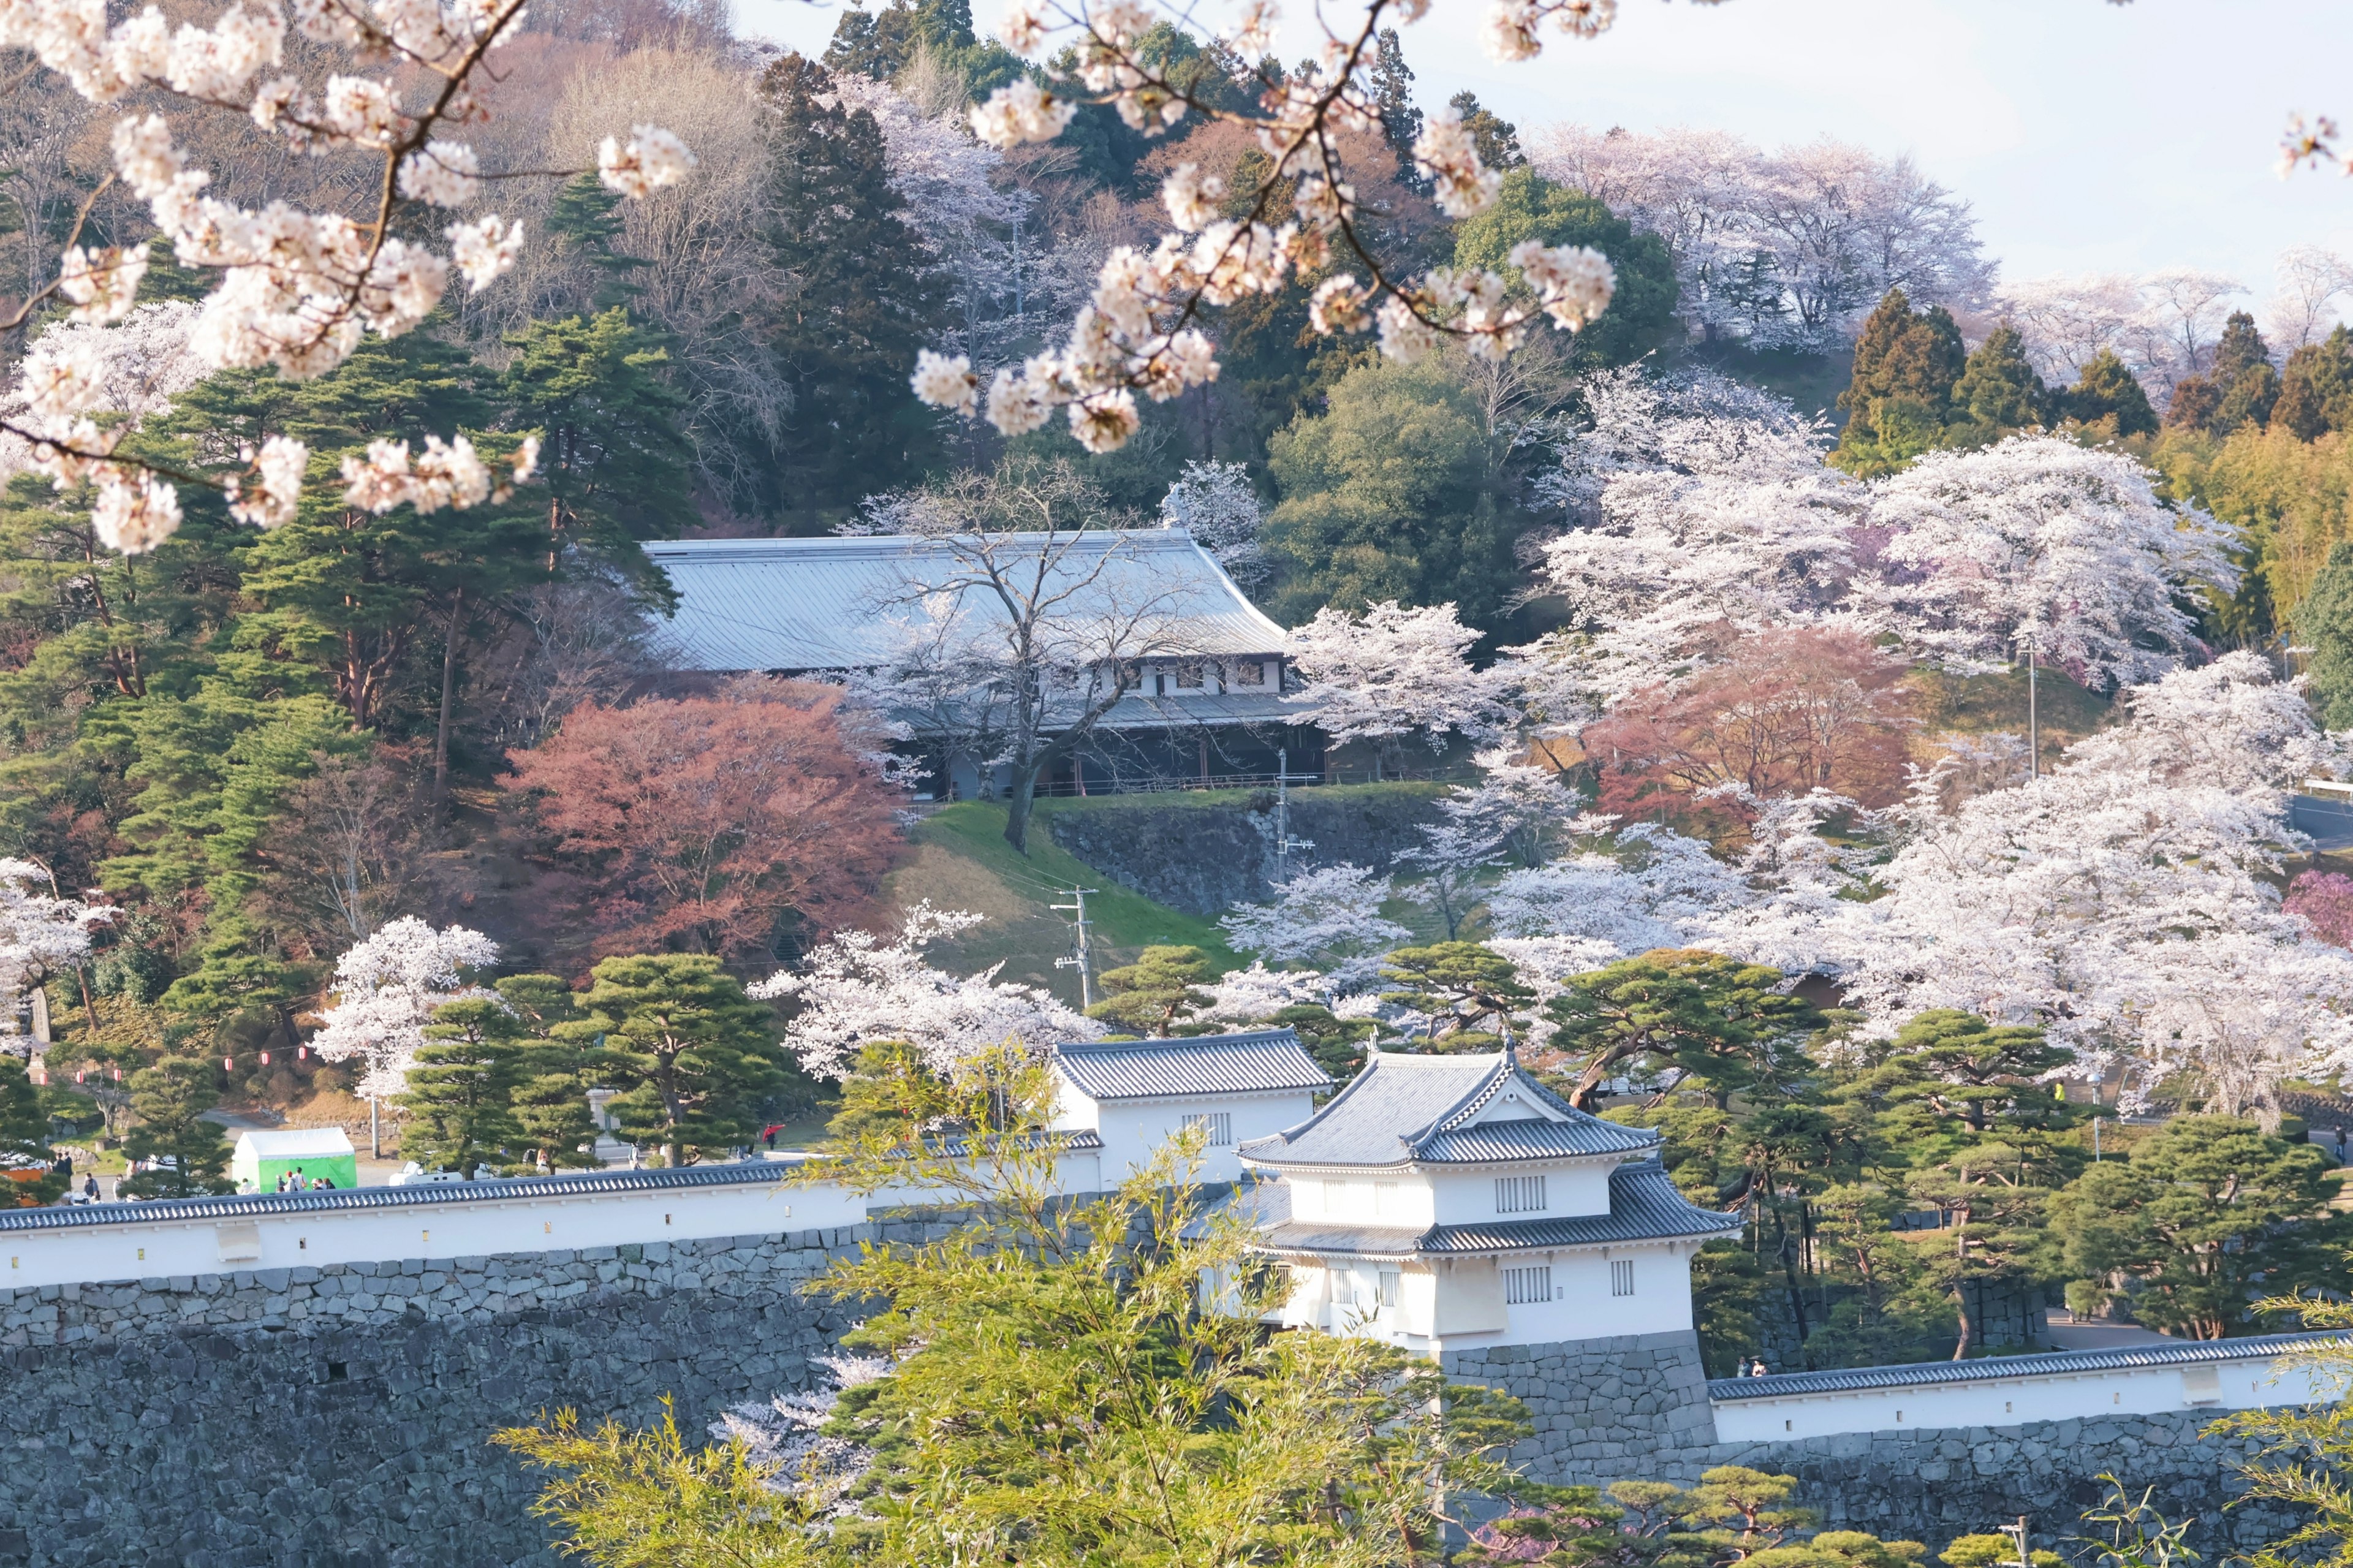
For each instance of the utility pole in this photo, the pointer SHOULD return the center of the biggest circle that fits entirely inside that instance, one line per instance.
(2034, 725)
(1283, 842)
(1077, 956)
(2017, 1532)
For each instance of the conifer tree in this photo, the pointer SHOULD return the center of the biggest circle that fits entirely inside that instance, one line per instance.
(1154, 992)
(170, 1100)
(548, 1093)
(458, 1100)
(1906, 365)
(584, 221)
(1999, 388)
(865, 297)
(696, 1059)
(2317, 388)
(2324, 621)
(1393, 101)
(2108, 391)
(24, 1126)
(1498, 140)
(1530, 206)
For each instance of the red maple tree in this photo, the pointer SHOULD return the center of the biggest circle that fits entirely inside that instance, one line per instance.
(1783, 712)
(712, 824)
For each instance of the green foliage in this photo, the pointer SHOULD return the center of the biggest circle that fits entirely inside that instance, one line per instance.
(547, 1095)
(2204, 1210)
(170, 1100)
(460, 1093)
(2315, 395)
(1999, 388)
(2324, 621)
(584, 221)
(697, 1061)
(2108, 398)
(1530, 206)
(1161, 987)
(1497, 139)
(1711, 1017)
(886, 1094)
(865, 300)
(2303, 1454)
(1337, 1044)
(1055, 1379)
(1388, 495)
(2240, 388)
(24, 1125)
(613, 455)
(882, 43)
(1463, 980)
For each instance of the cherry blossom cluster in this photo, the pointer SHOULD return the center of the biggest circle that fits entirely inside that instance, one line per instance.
(1137, 334)
(386, 988)
(297, 291)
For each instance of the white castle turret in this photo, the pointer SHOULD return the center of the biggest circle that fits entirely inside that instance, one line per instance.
(1452, 1203)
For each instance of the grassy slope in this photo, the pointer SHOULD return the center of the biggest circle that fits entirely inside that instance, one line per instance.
(961, 861)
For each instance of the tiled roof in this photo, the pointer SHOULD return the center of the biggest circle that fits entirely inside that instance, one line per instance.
(1993, 1369)
(1405, 1109)
(423, 1195)
(1260, 1061)
(831, 603)
(1644, 1206)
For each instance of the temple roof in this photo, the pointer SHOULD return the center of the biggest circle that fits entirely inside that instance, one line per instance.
(1407, 1109)
(1644, 1205)
(1260, 1061)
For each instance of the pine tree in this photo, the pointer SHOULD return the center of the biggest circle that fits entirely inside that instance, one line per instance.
(1154, 992)
(2108, 391)
(696, 1059)
(2240, 387)
(457, 1103)
(866, 298)
(585, 222)
(1998, 387)
(1906, 365)
(548, 1092)
(24, 1126)
(170, 1100)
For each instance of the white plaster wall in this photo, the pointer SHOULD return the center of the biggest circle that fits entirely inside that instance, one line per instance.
(1400, 1202)
(162, 1248)
(1571, 1188)
(1132, 1130)
(2052, 1397)
(1437, 1306)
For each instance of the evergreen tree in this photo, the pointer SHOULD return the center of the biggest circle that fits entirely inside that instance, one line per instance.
(697, 1061)
(1999, 388)
(1467, 984)
(1388, 496)
(2324, 620)
(458, 1096)
(1393, 102)
(2240, 387)
(1529, 206)
(881, 44)
(1725, 1023)
(2317, 388)
(1150, 995)
(1498, 140)
(170, 1100)
(1906, 365)
(866, 298)
(548, 1094)
(585, 222)
(24, 1134)
(613, 455)
(1337, 1044)
(1980, 1073)
(2108, 395)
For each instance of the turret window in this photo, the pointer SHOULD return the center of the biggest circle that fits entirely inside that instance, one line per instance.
(1218, 1125)
(1621, 1277)
(1522, 1286)
(1519, 1195)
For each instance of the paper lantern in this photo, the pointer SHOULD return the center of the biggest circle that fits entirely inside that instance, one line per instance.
(228, 1064)
(265, 1059)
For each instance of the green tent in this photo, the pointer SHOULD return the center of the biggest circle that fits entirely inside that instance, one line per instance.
(261, 1158)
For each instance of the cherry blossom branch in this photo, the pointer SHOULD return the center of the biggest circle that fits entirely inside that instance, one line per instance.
(1138, 332)
(298, 290)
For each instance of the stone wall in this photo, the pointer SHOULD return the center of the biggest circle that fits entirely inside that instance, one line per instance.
(341, 1416)
(1205, 858)
(1931, 1486)
(1623, 1408)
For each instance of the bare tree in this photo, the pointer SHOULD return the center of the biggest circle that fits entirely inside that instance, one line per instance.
(1025, 621)
(2301, 310)
(349, 848)
(579, 639)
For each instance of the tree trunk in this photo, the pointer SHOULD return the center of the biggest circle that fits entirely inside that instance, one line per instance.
(449, 685)
(1017, 806)
(1961, 1295)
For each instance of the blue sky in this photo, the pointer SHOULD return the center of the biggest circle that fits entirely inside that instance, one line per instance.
(2090, 137)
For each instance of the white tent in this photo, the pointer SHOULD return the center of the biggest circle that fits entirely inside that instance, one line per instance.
(262, 1157)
